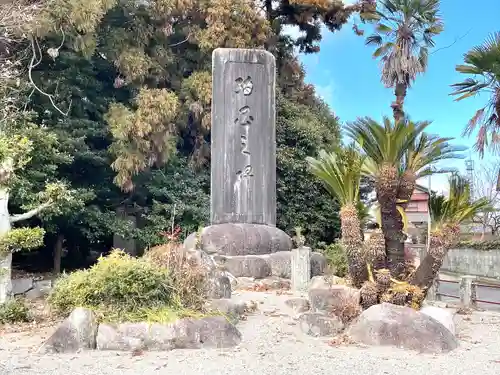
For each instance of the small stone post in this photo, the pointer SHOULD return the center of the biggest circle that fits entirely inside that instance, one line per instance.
(432, 293)
(468, 291)
(301, 268)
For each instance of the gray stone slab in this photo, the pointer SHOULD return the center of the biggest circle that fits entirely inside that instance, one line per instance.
(243, 138)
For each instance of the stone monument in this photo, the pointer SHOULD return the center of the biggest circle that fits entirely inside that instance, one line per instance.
(243, 232)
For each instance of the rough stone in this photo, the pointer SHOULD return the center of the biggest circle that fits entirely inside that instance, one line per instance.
(318, 264)
(441, 315)
(40, 289)
(240, 239)
(21, 286)
(299, 305)
(403, 327)
(76, 332)
(243, 283)
(281, 264)
(201, 259)
(217, 285)
(325, 282)
(317, 324)
(333, 298)
(275, 283)
(230, 309)
(246, 266)
(209, 332)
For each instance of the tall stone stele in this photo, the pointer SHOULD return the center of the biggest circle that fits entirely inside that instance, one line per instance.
(243, 175)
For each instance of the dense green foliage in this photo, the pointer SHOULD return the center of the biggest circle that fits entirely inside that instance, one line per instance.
(119, 102)
(479, 245)
(120, 287)
(302, 200)
(336, 258)
(14, 311)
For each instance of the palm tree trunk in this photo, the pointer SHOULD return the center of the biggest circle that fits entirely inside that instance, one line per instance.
(429, 267)
(392, 226)
(386, 188)
(352, 242)
(397, 105)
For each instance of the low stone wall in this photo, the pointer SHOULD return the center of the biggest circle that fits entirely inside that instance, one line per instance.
(484, 263)
(467, 261)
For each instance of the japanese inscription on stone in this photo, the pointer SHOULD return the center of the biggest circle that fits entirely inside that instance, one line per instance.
(243, 137)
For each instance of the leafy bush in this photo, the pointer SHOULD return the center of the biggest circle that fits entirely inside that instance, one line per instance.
(14, 311)
(187, 278)
(336, 258)
(479, 245)
(119, 288)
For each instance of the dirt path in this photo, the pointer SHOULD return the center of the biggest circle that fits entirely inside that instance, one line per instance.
(272, 344)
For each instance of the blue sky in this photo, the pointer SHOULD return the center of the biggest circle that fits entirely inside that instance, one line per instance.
(348, 78)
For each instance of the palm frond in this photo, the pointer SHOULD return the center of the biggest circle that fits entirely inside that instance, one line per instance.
(483, 64)
(340, 172)
(404, 32)
(458, 207)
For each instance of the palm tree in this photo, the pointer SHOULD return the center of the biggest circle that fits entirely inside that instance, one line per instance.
(483, 63)
(404, 33)
(398, 153)
(421, 155)
(447, 213)
(340, 173)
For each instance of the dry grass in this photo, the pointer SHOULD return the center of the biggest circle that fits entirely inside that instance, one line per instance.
(347, 310)
(40, 317)
(187, 276)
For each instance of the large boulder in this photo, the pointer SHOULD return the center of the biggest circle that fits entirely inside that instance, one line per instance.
(209, 332)
(76, 332)
(441, 315)
(402, 327)
(330, 298)
(239, 239)
(317, 324)
(245, 266)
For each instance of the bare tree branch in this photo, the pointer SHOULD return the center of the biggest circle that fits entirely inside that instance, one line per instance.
(29, 214)
(34, 62)
(457, 39)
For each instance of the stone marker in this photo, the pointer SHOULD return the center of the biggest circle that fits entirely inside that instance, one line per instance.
(301, 268)
(243, 172)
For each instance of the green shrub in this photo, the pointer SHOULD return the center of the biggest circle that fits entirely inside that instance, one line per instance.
(479, 245)
(14, 311)
(336, 258)
(119, 288)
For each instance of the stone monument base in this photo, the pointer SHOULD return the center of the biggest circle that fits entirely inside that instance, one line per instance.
(248, 251)
(239, 239)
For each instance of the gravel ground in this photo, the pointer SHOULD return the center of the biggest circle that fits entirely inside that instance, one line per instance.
(272, 344)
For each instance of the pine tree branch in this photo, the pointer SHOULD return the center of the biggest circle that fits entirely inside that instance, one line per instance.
(29, 214)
